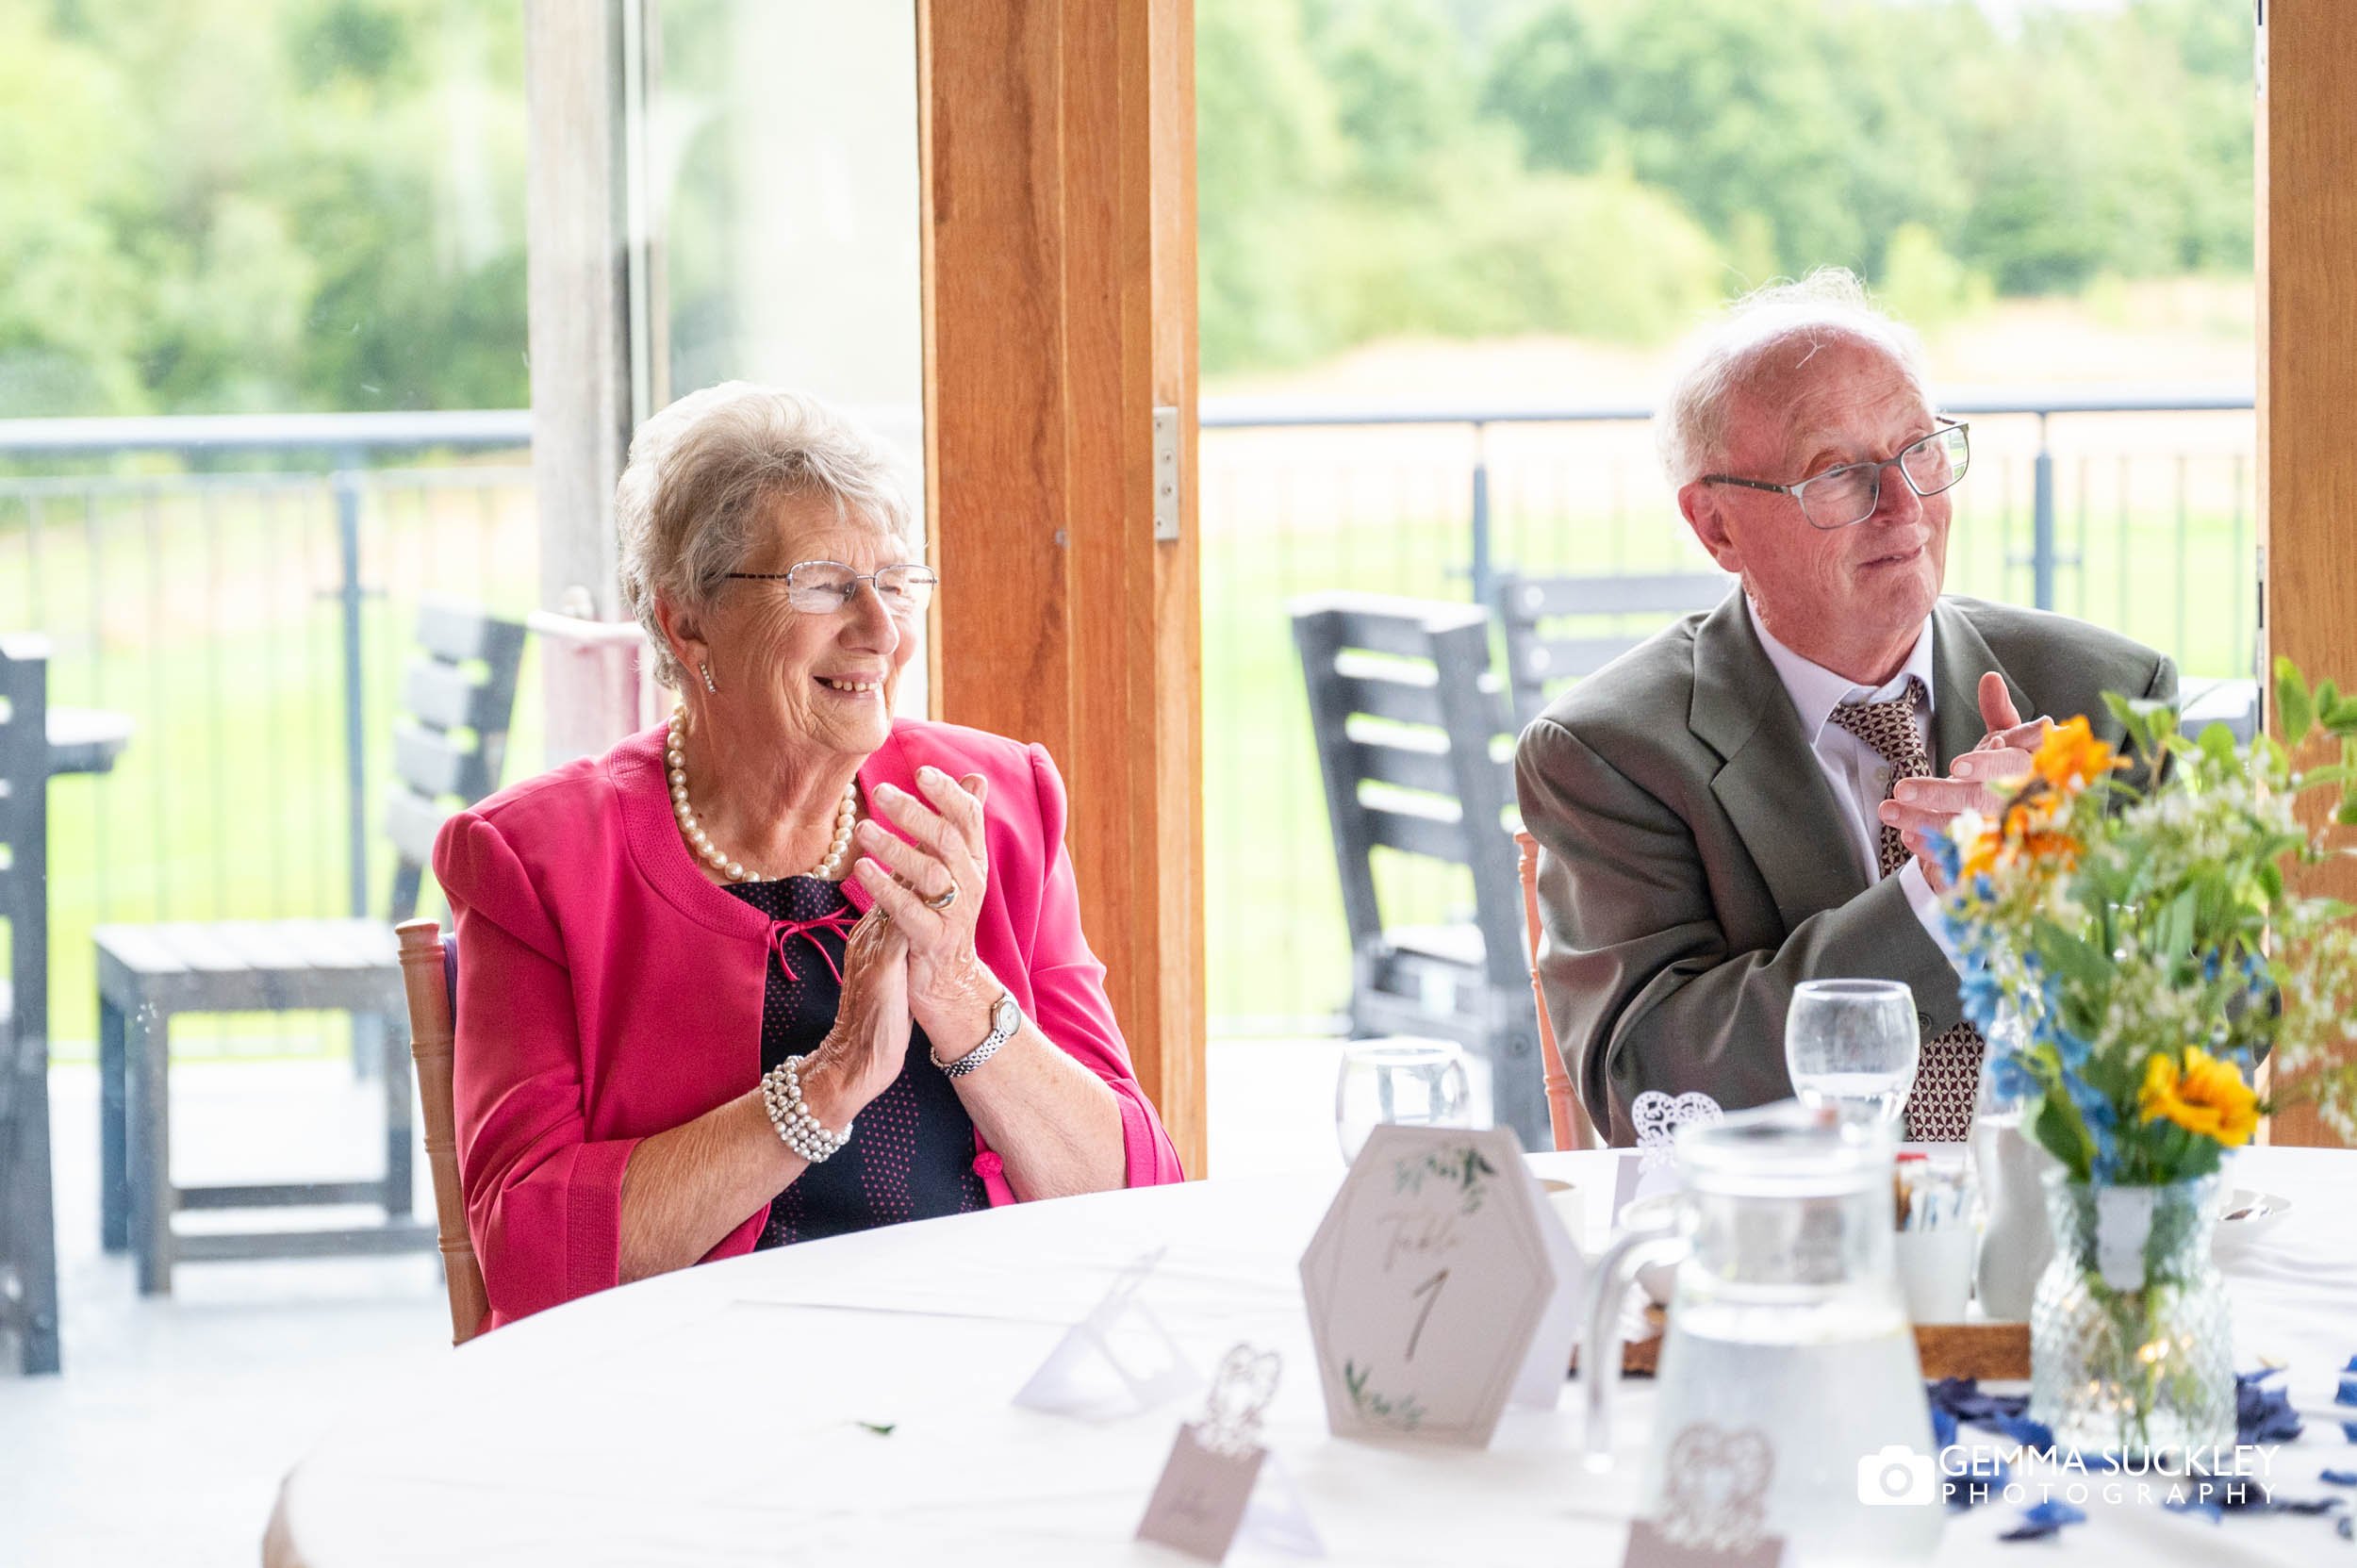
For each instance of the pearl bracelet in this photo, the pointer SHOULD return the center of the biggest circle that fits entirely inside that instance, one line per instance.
(797, 1128)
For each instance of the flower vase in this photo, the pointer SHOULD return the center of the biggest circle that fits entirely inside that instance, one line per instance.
(2131, 1335)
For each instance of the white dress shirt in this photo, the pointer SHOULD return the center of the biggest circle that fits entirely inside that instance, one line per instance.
(1859, 776)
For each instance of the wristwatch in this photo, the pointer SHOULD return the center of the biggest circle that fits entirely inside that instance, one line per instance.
(1005, 1019)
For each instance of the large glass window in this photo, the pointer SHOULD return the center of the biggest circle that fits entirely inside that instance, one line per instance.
(269, 257)
(782, 190)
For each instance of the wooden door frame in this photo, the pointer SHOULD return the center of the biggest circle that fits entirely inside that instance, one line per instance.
(2307, 231)
(1057, 145)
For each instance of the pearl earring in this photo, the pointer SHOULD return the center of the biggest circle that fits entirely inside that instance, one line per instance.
(707, 675)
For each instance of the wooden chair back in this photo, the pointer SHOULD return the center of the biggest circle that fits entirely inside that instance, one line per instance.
(451, 736)
(428, 974)
(1565, 1115)
(1557, 629)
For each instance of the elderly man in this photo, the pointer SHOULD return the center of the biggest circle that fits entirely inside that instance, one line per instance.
(1747, 801)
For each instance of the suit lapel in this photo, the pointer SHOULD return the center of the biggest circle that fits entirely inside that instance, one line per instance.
(1770, 786)
(1960, 656)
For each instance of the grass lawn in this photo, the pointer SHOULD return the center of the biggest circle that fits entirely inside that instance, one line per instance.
(205, 621)
(1275, 942)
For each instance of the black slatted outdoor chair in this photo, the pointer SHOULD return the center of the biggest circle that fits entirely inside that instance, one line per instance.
(449, 744)
(28, 1251)
(1557, 629)
(1407, 719)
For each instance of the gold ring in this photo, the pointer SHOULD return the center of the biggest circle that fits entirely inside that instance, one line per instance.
(937, 905)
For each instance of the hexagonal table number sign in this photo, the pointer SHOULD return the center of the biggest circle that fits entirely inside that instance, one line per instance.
(1429, 1282)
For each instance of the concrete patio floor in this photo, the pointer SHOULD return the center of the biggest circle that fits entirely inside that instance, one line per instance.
(164, 1438)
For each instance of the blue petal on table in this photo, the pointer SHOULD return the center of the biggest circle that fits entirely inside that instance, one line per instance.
(2029, 1434)
(1955, 1400)
(2301, 1505)
(1962, 1399)
(2263, 1415)
(1969, 1481)
(2041, 1520)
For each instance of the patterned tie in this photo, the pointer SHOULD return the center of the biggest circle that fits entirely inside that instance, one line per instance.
(1940, 1108)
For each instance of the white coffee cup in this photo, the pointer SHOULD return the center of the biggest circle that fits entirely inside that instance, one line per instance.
(1935, 1272)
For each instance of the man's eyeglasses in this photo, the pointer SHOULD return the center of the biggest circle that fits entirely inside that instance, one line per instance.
(822, 588)
(1848, 494)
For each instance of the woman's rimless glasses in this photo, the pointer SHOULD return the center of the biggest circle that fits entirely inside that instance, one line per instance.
(822, 588)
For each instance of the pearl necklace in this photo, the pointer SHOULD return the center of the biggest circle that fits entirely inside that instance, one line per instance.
(675, 759)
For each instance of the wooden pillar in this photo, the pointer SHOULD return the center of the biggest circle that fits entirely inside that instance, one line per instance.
(2307, 141)
(1058, 147)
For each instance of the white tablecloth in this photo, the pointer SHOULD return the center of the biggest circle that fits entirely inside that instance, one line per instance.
(714, 1417)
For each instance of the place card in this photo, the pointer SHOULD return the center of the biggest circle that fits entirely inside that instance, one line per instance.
(1714, 1488)
(1214, 1489)
(1650, 1167)
(1429, 1284)
(1117, 1361)
(1201, 1497)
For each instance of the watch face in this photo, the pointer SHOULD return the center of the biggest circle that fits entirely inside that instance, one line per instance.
(1004, 1015)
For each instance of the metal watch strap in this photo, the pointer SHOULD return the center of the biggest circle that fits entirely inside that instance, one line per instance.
(1005, 1019)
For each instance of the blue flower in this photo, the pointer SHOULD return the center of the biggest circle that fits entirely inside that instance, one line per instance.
(2099, 1117)
(1977, 988)
(2073, 1052)
(2008, 1079)
(1950, 857)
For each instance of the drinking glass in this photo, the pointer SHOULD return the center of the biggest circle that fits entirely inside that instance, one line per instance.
(1399, 1082)
(1852, 1044)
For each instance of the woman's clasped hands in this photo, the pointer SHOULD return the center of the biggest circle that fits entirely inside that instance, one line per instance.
(930, 885)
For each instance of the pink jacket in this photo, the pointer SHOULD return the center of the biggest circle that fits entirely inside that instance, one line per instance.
(608, 991)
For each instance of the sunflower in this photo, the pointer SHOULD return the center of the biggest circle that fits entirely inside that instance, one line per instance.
(2206, 1096)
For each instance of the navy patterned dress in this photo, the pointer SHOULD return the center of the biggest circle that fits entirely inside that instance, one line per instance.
(912, 1149)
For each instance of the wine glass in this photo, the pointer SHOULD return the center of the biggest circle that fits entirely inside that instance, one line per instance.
(1852, 1045)
(1403, 1083)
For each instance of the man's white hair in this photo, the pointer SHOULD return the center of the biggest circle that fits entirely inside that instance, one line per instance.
(1829, 306)
(704, 473)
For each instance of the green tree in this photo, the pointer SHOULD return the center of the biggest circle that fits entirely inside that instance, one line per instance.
(1402, 90)
(1267, 149)
(218, 206)
(1550, 80)
(1808, 117)
(70, 295)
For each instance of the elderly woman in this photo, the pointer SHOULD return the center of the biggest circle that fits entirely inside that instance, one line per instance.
(787, 967)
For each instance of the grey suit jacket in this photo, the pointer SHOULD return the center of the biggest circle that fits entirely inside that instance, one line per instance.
(1693, 867)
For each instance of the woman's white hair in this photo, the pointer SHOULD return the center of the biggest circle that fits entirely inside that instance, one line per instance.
(1829, 306)
(702, 478)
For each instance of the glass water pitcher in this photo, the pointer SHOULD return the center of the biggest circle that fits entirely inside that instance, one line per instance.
(1789, 1398)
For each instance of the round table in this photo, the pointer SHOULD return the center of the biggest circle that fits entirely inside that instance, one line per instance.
(731, 1413)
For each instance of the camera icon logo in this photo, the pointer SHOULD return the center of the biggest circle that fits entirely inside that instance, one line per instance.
(1896, 1475)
